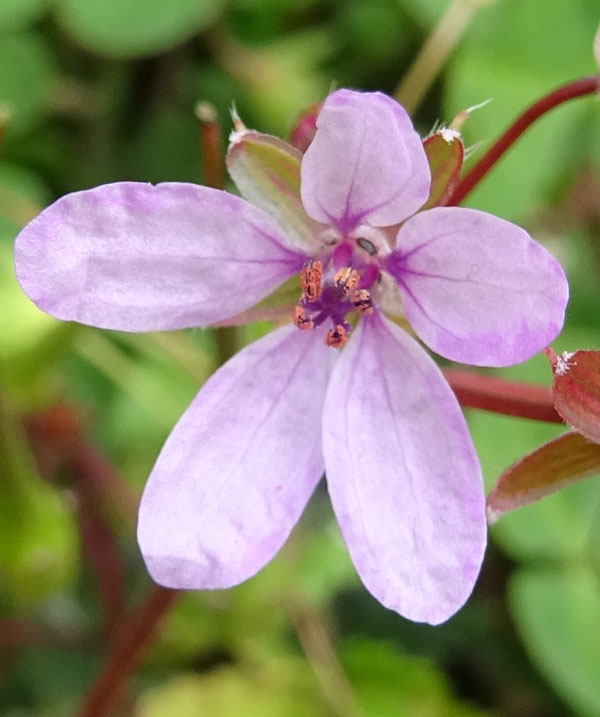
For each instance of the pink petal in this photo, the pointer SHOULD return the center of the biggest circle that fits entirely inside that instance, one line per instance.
(403, 476)
(137, 257)
(365, 164)
(239, 467)
(478, 289)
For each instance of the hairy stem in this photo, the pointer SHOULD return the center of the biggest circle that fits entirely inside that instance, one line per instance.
(578, 88)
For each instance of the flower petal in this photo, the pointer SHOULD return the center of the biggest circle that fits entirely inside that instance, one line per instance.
(403, 476)
(476, 288)
(239, 467)
(365, 164)
(136, 257)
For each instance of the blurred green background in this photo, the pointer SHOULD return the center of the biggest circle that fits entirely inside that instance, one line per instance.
(94, 91)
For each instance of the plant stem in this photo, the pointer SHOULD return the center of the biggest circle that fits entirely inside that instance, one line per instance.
(210, 140)
(511, 398)
(316, 642)
(135, 636)
(432, 56)
(578, 88)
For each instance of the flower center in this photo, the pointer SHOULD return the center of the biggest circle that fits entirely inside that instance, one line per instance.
(333, 300)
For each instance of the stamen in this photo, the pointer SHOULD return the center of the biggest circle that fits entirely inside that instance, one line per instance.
(302, 319)
(347, 280)
(310, 280)
(362, 302)
(337, 337)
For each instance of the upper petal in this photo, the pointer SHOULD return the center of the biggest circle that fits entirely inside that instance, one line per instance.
(366, 163)
(403, 476)
(136, 257)
(476, 288)
(239, 467)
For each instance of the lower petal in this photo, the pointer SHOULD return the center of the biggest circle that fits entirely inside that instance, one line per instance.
(403, 475)
(239, 467)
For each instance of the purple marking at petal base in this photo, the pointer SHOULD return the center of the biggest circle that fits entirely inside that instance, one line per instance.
(366, 163)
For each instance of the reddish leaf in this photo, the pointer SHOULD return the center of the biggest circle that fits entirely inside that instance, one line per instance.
(577, 390)
(445, 152)
(564, 460)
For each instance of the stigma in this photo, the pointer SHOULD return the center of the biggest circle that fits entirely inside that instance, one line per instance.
(332, 300)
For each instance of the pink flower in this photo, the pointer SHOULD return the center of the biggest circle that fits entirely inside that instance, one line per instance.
(377, 416)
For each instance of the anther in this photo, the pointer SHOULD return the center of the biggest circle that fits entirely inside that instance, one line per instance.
(310, 280)
(337, 337)
(347, 280)
(362, 302)
(302, 320)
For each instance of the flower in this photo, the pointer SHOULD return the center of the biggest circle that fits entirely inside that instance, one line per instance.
(378, 417)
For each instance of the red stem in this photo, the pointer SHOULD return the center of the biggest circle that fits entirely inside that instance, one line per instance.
(579, 88)
(210, 140)
(511, 398)
(100, 549)
(135, 636)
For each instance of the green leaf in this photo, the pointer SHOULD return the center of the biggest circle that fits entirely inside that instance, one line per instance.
(130, 28)
(387, 683)
(15, 14)
(561, 462)
(558, 615)
(24, 89)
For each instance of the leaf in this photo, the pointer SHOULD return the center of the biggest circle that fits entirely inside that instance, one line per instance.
(445, 153)
(556, 528)
(388, 683)
(576, 391)
(24, 89)
(18, 13)
(558, 615)
(130, 28)
(561, 462)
